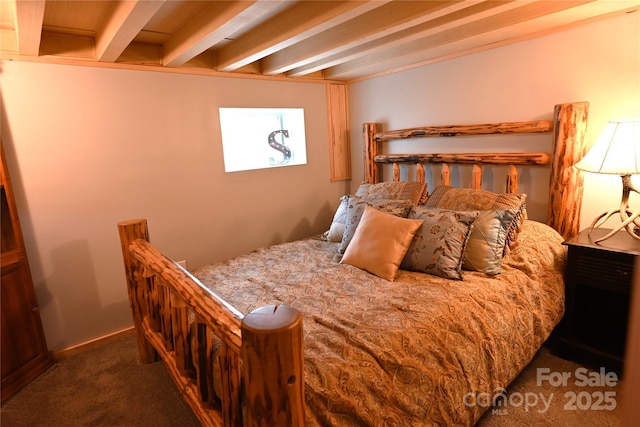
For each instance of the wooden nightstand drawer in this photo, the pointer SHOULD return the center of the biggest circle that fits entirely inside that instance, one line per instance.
(592, 268)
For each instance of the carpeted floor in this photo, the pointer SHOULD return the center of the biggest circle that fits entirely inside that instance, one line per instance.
(105, 385)
(573, 404)
(102, 385)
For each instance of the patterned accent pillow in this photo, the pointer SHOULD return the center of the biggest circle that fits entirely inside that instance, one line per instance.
(356, 207)
(440, 243)
(395, 190)
(468, 199)
(487, 241)
(380, 243)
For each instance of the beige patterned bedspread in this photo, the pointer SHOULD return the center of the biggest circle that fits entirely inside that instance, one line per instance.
(412, 352)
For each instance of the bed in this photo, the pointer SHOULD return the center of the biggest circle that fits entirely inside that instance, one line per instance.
(353, 330)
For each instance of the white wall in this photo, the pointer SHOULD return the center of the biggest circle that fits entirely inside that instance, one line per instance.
(88, 147)
(598, 62)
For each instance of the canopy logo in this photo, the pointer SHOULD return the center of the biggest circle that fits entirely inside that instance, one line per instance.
(589, 399)
(500, 400)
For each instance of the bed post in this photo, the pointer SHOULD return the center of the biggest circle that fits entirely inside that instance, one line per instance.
(136, 284)
(272, 355)
(371, 168)
(565, 195)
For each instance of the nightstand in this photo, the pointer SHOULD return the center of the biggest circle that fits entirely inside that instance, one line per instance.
(598, 282)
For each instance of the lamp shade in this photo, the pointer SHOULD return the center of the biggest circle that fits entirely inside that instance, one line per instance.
(617, 151)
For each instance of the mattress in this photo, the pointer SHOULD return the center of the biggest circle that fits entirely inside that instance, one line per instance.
(420, 350)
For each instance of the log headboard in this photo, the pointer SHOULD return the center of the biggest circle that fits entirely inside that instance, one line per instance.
(568, 127)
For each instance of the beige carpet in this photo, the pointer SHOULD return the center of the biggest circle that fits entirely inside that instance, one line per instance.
(578, 403)
(104, 385)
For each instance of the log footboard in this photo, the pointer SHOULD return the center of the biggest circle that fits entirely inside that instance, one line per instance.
(259, 356)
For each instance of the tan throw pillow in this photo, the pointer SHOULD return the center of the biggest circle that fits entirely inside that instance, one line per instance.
(355, 208)
(414, 191)
(380, 243)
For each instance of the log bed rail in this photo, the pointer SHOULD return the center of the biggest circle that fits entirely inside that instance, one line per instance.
(164, 298)
(260, 355)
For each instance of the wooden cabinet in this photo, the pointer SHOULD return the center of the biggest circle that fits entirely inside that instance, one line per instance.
(24, 353)
(598, 283)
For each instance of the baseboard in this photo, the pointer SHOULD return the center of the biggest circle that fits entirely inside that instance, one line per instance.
(83, 346)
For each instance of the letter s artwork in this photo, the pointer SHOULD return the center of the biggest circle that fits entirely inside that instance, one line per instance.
(286, 152)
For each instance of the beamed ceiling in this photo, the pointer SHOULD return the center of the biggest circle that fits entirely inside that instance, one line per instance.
(330, 40)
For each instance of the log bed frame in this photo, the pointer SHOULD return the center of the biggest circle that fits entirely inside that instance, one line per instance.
(265, 347)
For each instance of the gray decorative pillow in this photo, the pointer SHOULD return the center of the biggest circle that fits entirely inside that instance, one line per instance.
(468, 199)
(487, 241)
(439, 245)
(338, 224)
(355, 209)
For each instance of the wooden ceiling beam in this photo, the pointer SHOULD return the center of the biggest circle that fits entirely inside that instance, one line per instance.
(347, 40)
(215, 22)
(122, 26)
(298, 23)
(455, 14)
(536, 28)
(465, 38)
(29, 16)
(376, 24)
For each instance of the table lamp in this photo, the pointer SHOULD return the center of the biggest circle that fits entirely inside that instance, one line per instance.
(617, 151)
